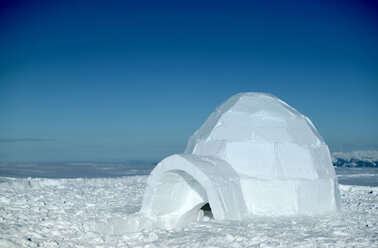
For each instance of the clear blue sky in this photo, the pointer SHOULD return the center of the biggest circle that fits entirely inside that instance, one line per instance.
(116, 81)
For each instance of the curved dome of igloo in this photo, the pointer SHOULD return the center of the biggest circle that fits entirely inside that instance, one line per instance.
(254, 155)
(255, 117)
(262, 136)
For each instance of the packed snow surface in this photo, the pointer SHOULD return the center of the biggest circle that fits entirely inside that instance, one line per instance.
(91, 213)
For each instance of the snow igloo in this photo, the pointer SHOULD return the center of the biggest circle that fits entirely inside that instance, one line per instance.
(254, 155)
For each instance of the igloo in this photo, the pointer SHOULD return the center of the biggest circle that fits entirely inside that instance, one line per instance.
(254, 155)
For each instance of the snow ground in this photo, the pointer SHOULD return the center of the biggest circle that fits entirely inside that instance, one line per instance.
(73, 170)
(363, 176)
(61, 212)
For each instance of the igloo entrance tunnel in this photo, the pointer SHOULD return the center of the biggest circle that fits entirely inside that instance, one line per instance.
(254, 155)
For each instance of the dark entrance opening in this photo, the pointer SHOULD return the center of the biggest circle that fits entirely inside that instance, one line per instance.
(207, 211)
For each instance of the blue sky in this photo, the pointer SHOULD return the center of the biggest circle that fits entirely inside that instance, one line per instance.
(112, 81)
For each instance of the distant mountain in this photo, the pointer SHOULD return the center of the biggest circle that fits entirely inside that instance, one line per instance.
(355, 159)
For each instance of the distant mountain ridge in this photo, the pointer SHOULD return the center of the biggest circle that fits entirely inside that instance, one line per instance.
(355, 159)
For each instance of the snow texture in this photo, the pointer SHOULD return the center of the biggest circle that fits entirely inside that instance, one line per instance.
(254, 155)
(367, 176)
(98, 212)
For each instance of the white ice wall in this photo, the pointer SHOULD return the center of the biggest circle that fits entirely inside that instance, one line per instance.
(254, 155)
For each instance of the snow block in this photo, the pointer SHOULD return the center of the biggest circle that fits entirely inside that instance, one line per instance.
(311, 193)
(269, 197)
(255, 154)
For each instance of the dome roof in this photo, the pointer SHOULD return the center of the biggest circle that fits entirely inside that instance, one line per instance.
(262, 136)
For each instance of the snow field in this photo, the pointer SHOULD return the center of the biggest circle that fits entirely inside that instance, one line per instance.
(67, 212)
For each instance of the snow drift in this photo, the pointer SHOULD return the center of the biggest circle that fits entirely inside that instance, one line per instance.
(255, 154)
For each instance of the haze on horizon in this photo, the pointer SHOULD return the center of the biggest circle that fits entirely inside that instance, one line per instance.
(116, 81)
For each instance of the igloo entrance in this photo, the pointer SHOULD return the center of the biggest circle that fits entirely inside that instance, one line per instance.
(189, 196)
(183, 205)
(175, 196)
(207, 211)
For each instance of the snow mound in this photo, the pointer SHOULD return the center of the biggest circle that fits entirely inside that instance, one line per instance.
(254, 155)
